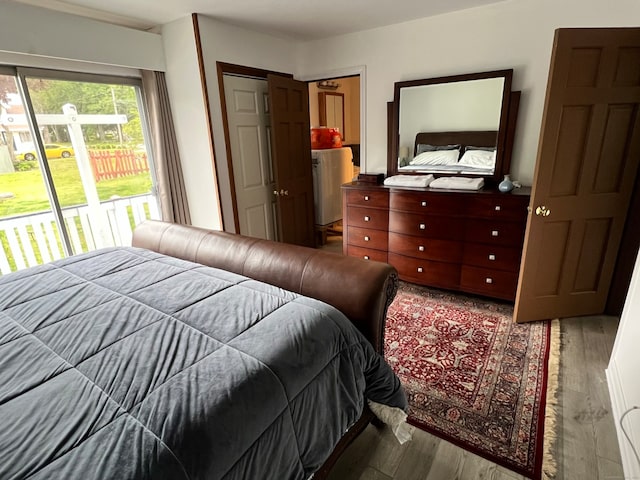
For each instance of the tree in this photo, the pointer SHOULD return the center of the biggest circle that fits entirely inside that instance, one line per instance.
(48, 96)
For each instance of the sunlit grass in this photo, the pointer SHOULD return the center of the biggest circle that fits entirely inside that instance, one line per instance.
(30, 195)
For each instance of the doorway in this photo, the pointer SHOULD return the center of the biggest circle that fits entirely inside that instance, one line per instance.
(334, 103)
(252, 171)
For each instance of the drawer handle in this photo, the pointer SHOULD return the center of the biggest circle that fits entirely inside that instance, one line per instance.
(421, 248)
(419, 269)
(492, 257)
(366, 238)
(366, 257)
(497, 209)
(366, 198)
(367, 218)
(423, 226)
(423, 203)
(494, 233)
(488, 280)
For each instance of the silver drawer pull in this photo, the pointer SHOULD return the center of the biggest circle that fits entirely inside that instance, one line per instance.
(497, 208)
(423, 226)
(366, 198)
(421, 248)
(494, 233)
(366, 239)
(419, 269)
(423, 203)
(366, 257)
(492, 257)
(367, 218)
(488, 280)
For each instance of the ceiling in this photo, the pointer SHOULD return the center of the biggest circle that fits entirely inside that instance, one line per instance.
(295, 19)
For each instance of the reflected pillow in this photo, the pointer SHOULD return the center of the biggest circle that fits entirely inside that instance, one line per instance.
(438, 157)
(425, 147)
(487, 149)
(478, 158)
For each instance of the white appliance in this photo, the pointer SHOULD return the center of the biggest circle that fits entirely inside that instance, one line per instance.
(331, 169)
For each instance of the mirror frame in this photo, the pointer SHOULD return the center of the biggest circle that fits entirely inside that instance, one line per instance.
(506, 128)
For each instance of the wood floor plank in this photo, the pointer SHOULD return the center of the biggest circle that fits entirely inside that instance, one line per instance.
(506, 474)
(371, 473)
(608, 470)
(449, 464)
(598, 345)
(419, 456)
(573, 375)
(388, 452)
(355, 459)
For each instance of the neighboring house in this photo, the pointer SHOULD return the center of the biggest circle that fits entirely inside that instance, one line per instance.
(514, 34)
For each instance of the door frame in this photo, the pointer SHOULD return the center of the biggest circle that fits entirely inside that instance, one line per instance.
(245, 71)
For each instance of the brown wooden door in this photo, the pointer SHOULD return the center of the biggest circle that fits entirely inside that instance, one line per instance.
(291, 147)
(586, 167)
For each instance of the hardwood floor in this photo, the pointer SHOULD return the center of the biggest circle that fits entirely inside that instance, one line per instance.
(586, 446)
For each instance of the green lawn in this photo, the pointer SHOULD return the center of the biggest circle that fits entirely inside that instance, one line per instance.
(30, 195)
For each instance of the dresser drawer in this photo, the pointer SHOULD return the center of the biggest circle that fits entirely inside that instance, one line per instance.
(426, 202)
(494, 283)
(368, 198)
(367, 253)
(368, 238)
(492, 256)
(367, 217)
(426, 248)
(499, 207)
(426, 272)
(428, 226)
(510, 234)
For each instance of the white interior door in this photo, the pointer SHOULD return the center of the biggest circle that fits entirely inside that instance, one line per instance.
(249, 138)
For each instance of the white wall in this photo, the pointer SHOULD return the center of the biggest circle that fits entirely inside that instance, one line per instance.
(514, 34)
(230, 44)
(190, 121)
(623, 374)
(37, 32)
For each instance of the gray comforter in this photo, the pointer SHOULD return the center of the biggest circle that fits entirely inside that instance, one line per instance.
(127, 364)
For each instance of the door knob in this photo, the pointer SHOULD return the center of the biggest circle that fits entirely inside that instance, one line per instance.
(276, 193)
(543, 211)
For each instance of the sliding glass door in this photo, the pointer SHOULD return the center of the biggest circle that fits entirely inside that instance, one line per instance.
(76, 172)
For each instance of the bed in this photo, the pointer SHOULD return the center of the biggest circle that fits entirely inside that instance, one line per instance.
(465, 152)
(192, 354)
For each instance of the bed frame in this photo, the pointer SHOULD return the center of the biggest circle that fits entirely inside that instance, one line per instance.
(361, 289)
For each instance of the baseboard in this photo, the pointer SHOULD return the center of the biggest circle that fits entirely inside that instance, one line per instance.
(618, 407)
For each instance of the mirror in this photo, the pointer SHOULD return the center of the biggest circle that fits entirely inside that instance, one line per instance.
(456, 125)
(331, 110)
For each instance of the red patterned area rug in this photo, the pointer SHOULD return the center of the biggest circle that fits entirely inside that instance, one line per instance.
(472, 376)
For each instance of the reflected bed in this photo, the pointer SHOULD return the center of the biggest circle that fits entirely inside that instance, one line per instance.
(466, 152)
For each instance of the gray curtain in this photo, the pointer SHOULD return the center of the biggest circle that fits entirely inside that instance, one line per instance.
(171, 189)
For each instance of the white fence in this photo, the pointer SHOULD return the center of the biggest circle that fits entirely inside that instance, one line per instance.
(30, 240)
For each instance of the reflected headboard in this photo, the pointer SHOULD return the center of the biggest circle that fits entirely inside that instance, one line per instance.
(486, 138)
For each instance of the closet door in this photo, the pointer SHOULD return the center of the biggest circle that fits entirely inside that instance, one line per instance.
(586, 167)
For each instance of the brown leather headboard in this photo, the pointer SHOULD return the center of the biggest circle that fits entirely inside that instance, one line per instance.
(360, 289)
(485, 138)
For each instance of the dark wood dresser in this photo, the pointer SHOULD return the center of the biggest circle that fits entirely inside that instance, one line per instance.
(458, 240)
